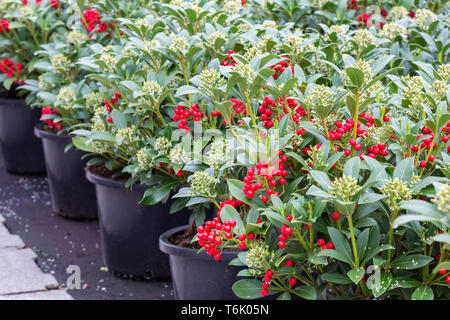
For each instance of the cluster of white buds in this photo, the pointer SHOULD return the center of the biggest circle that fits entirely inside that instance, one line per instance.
(178, 3)
(251, 52)
(128, 52)
(415, 179)
(94, 99)
(179, 44)
(376, 90)
(320, 96)
(264, 40)
(141, 22)
(316, 156)
(76, 38)
(202, 184)
(232, 6)
(211, 41)
(296, 42)
(26, 12)
(66, 97)
(344, 188)
(218, 153)
(210, 79)
(109, 61)
(144, 159)
(444, 71)
(125, 135)
(363, 38)
(424, 18)
(162, 146)
(397, 193)
(178, 155)
(246, 71)
(340, 30)
(414, 86)
(364, 66)
(440, 89)
(319, 3)
(60, 61)
(150, 45)
(392, 30)
(153, 89)
(42, 83)
(397, 13)
(442, 199)
(244, 27)
(97, 122)
(258, 255)
(269, 24)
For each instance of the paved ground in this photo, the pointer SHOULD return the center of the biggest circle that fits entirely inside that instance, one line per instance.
(58, 243)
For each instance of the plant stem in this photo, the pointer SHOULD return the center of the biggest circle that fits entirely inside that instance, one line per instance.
(352, 233)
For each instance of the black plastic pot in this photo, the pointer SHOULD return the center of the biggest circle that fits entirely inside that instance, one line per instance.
(71, 194)
(199, 276)
(22, 151)
(130, 231)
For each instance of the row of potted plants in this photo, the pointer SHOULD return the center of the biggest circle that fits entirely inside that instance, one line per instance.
(311, 148)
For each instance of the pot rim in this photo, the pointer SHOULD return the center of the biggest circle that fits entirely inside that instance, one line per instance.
(109, 182)
(171, 249)
(42, 134)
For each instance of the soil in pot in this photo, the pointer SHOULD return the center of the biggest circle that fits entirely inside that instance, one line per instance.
(72, 196)
(22, 151)
(130, 232)
(198, 276)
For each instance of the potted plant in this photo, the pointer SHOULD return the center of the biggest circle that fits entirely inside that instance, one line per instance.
(24, 28)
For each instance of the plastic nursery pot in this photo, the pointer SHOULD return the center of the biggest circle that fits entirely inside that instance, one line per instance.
(71, 194)
(22, 151)
(199, 276)
(130, 231)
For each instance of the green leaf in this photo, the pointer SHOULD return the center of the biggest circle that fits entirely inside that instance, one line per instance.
(119, 119)
(334, 277)
(314, 257)
(351, 168)
(186, 90)
(334, 254)
(411, 262)
(249, 289)
(80, 143)
(404, 169)
(306, 292)
(382, 285)
(340, 243)
(230, 213)
(356, 275)
(423, 293)
(156, 194)
(356, 76)
(321, 178)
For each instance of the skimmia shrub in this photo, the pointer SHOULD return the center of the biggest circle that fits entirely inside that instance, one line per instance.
(316, 131)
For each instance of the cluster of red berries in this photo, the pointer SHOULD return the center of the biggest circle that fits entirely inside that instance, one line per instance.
(50, 123)
(8, 67)
(183, 113)
(266, 176)
(364, 17)
(443, 272)
(229, 61)
(210, 235)
(279, 67)
(324, 245)
(266, 284)
(179, 172)
(232, 202)
(92, 19)
(4, 26)
(266, 111)
(355, 5)
(238, 109)
(286, 232)
(54, 3)
(293, 105)
(111, 102)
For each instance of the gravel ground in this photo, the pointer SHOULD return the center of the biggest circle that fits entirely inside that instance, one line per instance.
(59, 242)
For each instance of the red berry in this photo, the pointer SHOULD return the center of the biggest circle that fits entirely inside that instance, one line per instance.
(242, 245)
(423, 163)
(320, 242)
(264, 198)
(442, 271)
(292, 281)
(447, 279)
(281, 244)
(335, 216)
(385, 118)
(251, 236)
(264, 292)
(241, 237)
(357, 147)
(347, 152)
(289, 263)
